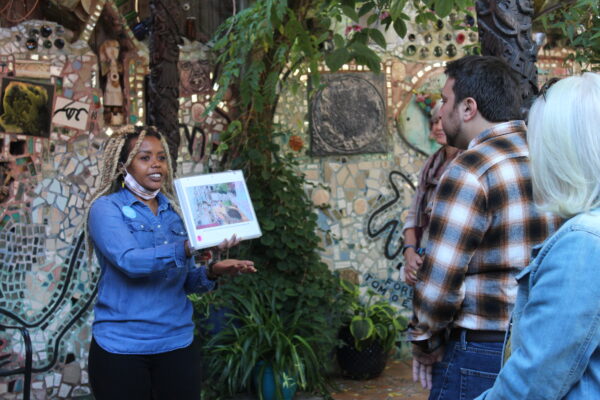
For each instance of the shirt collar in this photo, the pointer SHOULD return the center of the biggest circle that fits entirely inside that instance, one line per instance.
(503, 128)
(129, 199)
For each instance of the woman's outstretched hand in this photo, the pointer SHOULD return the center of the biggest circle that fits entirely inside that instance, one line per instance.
(232, 267)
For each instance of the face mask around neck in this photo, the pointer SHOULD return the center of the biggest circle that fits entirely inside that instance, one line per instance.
(138, 189)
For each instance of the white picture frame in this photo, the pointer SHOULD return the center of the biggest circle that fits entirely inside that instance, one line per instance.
(215, 207)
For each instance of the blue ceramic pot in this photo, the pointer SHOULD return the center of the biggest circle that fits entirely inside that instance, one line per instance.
(268, 382)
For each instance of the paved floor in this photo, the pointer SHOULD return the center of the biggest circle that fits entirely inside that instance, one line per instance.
(394, 383)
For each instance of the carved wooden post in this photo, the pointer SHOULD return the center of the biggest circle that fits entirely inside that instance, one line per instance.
(163, 90)
(505, 31)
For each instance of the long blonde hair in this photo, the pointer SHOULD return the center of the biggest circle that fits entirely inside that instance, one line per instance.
(115, 159)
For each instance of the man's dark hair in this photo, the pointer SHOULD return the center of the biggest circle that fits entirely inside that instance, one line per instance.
(491, 82)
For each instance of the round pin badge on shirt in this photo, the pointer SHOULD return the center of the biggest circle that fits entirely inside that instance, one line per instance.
(128, 212)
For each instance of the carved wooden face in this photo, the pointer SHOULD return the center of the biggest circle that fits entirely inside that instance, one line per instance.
(194, 77)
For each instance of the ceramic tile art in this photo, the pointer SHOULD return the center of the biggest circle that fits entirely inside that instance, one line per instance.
(360, 198)
(46, 285)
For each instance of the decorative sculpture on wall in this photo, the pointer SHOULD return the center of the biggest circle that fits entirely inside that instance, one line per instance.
(194, 77)
(111, 69)
(348, 115)
(505, 31)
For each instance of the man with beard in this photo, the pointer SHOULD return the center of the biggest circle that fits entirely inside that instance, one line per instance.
(482, 229)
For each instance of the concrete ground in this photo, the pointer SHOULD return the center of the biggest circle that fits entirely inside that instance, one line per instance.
(394, 383)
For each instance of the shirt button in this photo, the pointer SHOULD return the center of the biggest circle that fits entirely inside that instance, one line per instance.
(158, 226)
(166, 241)
(141, 226)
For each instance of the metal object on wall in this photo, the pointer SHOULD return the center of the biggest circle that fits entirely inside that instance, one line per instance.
(163, 88)
(348, 116)
(505, 31)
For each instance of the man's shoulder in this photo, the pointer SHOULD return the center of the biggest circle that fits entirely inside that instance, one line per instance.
(479, 159)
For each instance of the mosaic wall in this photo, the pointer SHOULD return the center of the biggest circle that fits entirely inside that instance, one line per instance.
(361, 199)
(46, 174)
(48, 167)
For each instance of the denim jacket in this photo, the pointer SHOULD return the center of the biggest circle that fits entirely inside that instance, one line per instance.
(142, 306)
(555, 333)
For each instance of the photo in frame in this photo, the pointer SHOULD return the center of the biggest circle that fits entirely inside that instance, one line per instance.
(26, 107)
(215, 207)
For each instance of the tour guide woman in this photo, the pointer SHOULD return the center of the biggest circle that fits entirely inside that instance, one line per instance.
(142, 332)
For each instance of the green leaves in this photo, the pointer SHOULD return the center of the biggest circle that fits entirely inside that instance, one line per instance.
(378, 37)
(270, 321)
(400, 27)
(577, 22)
(362, 328)
(366, 56)
(443, 7)
(372, 321)
(337, 58)
(350, 12)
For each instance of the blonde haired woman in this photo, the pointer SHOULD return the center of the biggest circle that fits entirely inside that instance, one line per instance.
(553, 350)
(416, 225)
(142, 332)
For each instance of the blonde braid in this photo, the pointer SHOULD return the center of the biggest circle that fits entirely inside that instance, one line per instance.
(111, 170)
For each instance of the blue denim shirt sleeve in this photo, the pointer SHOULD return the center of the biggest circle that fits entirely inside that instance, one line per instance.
(198, 282)
(559, 328)
(111, 236)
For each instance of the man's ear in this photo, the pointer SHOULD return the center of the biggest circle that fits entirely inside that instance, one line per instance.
(469, 109)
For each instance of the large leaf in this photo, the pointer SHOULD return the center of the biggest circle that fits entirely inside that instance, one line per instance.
(443, 7)
(350, 13)
(337, 58)
(400, 27)
(361, 328)
(378, 37)
(365, 8)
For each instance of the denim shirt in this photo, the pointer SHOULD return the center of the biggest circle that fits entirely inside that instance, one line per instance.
(142, 307)
(556, 320)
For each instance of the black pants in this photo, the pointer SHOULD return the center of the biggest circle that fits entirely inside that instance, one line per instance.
(174, 375)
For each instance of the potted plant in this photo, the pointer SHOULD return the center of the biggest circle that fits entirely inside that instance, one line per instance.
(264, 346)
(370, 332)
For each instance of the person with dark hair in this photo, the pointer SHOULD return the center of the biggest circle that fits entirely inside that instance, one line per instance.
(142, 331)
(482, 228)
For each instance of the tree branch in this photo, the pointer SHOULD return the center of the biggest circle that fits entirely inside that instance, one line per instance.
(560, 4)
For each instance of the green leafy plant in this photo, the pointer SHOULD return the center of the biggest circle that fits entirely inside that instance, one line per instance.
(372, 320)
(576, 25)
(260, 332)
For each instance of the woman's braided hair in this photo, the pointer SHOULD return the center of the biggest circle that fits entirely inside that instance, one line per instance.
(116, 158)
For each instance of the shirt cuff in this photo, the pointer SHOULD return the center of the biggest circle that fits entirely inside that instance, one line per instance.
(181, 258)
(206, 283)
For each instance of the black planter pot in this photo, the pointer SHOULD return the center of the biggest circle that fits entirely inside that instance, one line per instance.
(365, 364)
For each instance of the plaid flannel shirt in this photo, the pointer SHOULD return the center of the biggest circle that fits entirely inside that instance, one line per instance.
(483, 226)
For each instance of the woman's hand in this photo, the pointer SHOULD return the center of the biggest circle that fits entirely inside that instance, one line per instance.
(412, 265)
(227, 244)
(232, 267)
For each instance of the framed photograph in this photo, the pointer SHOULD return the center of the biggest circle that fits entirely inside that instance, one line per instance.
(215, 207)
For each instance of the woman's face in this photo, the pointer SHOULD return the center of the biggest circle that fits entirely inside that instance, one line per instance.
(149, 165)
(437, 131)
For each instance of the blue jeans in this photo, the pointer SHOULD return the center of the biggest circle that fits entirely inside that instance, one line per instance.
(467, 369)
